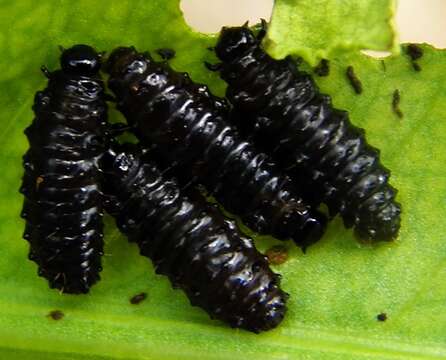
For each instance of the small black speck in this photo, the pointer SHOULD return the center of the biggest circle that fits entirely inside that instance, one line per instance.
(323, 68)
(166, 53)
(416, 66)
(138, 298)
(354, 80)
(56, 314)
(381, 317)
(414, 51)
(396, 98)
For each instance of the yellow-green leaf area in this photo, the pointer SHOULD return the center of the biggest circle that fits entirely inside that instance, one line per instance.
(337, 289)
(319, 29)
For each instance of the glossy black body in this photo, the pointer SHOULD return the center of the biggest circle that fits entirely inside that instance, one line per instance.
(61, 183)
(192, 243)
(281, 109)
(186, 129)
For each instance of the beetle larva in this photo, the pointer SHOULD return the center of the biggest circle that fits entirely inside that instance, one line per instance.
(61, 184)
(286, 116)
(185, 126)
(191, 242)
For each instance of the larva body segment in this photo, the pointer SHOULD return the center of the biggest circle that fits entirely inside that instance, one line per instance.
(61, 183)
(286, 116)
(192, 243)
(186, 128)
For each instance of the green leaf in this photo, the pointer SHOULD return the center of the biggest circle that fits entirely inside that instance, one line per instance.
(337, 288)
(333, 26)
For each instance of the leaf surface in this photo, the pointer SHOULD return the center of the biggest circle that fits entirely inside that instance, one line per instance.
(337, 288)
(318, 29)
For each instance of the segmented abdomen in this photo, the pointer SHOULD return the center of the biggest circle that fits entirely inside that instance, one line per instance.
(61, 184)
(187, 131)
(282, 111)
(193, 244)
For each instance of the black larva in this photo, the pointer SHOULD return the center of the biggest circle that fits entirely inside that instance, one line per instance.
(185, 126)
(61, 184)
(282, 110)
(192, 243)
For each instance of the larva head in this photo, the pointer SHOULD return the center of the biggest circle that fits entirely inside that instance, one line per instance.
(80, 60)
(125, 64)
(126, 60)
(311, 231)
(233, 42)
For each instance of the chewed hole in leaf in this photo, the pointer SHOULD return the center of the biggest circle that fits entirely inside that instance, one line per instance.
(211, 16)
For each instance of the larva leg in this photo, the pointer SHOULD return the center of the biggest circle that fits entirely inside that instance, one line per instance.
(263, 28)
(213, 67)
(45, 71)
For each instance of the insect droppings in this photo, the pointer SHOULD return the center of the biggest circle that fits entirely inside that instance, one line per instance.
(166, 53)
(381, 317)
(323, 68)
(396, 98)
(138, 298)
(56, 314)
(415, 52)
(416, 66)
(354, 80)
(277, 255)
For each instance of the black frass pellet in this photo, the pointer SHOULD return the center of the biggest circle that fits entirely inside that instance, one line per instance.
(396, 98)
(354, 80)
(186, 129)
(323, 68)
(61, 184)
(191, 242)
